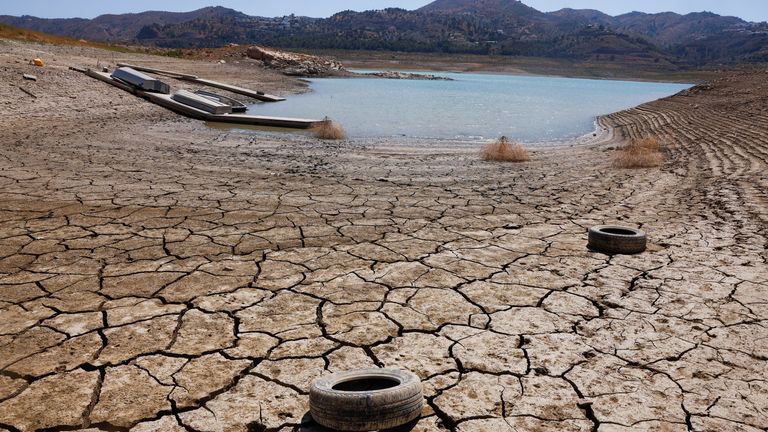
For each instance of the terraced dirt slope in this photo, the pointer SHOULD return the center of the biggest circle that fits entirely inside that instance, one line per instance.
(717, 134)
(157, 274)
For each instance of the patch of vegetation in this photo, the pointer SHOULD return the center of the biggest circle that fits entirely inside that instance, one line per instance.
(639, 153)
(503, 150)
(329, 130)
(175, 53)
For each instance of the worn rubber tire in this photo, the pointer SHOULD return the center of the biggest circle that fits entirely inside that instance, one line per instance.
(369, 409)
(617, 240)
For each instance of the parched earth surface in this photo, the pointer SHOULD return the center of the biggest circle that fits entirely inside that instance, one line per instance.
(158, 274)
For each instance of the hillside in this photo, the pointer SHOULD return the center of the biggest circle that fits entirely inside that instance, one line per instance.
(26, 35)
(482, 7)
(499, 27)
(668, 29)
(115, 28)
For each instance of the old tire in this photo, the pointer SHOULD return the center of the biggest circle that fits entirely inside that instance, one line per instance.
(614, 240)
(366, 399)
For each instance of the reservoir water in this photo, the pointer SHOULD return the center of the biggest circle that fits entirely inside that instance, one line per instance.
(473, 106)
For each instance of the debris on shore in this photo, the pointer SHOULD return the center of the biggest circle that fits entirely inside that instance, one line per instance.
(404, 76)
(306, 65)
(295, 64)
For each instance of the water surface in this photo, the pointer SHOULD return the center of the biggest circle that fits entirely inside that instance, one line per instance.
(473, 106)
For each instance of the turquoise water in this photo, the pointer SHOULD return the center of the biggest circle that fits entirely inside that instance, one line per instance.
(474, 106)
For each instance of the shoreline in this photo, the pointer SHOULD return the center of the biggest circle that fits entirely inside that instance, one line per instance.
(516, 66)
(560, 142)
(410, 69)
(213, 275)
(594, 137)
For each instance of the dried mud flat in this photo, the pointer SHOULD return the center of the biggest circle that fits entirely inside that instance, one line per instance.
(157, 274)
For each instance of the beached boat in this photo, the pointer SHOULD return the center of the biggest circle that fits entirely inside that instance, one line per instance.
(258, 95)
(237, 106)
(140, 81)
(167, 101)
(208, 105)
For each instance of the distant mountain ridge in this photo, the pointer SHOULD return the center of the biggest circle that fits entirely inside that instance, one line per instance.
(502, 27)
(116, 28)
(505, 7)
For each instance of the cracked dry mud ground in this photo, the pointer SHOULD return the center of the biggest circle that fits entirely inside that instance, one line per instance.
(161, 275)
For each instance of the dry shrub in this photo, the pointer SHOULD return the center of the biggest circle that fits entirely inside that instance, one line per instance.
(502, 150)
(639, 153)
(329, 130)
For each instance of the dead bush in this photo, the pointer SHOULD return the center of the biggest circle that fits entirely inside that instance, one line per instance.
(329, 130)
(639, 153)
(502, 150)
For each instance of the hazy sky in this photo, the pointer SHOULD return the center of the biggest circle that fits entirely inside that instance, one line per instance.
(752, 10)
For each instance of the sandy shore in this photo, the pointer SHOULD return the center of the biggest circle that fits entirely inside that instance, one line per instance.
(158, 274)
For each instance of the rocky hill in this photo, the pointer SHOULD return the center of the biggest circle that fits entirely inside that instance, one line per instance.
(483, 7)
(503, 27)
(668, 29)
(117, 28)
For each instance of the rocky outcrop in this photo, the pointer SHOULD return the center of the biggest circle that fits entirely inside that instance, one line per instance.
(296, 64)
(406, 76)
(305, 65)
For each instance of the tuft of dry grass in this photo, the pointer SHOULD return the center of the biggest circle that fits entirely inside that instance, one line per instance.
(329, 130)
(502, 150)
(639, 153)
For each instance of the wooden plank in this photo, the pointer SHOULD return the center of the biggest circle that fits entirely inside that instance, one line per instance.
(235, 89)
(158, 71)
(292, 123)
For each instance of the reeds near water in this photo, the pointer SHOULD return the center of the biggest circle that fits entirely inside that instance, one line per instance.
(329, 130)
(639, 153)
(504, 150)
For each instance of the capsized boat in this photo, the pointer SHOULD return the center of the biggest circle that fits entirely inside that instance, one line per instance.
(140, 81)
(237, 106)
(202, 103)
